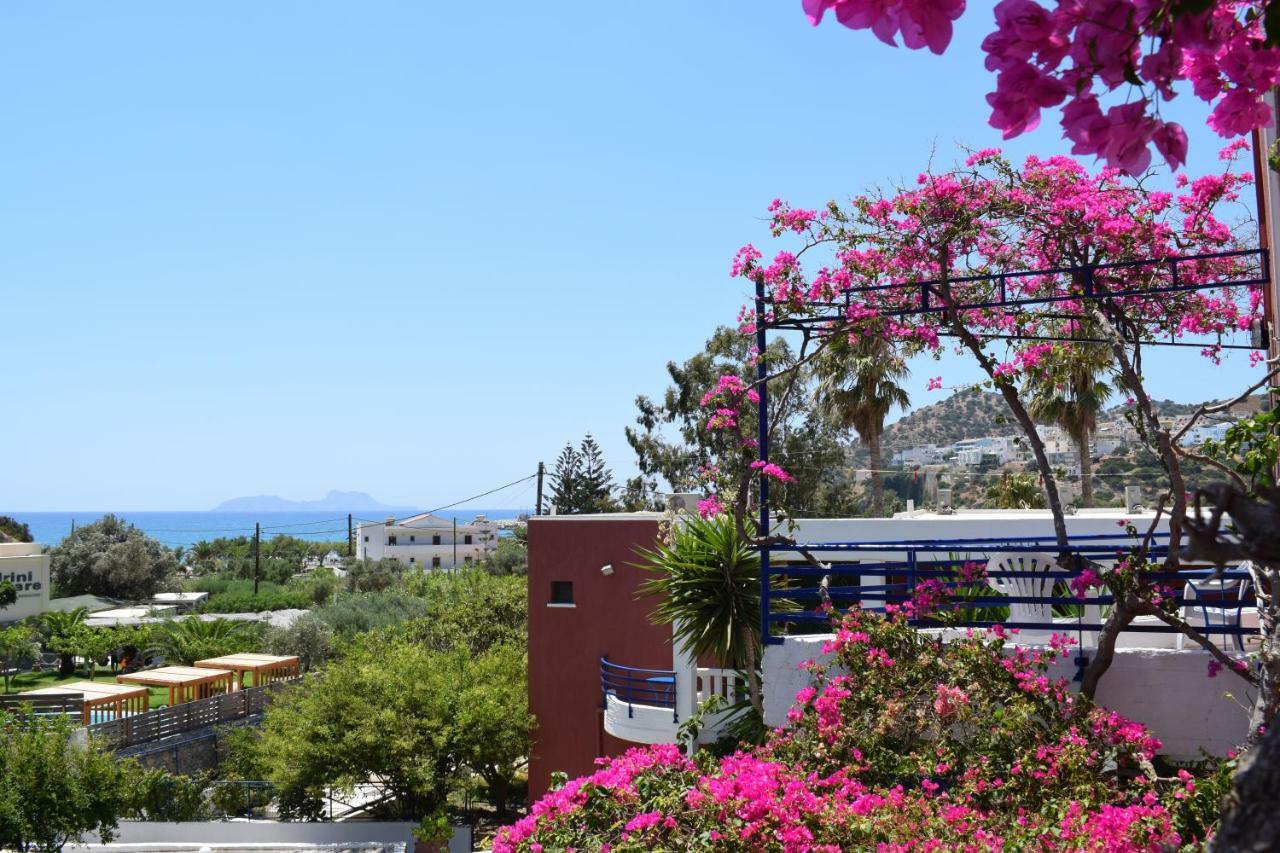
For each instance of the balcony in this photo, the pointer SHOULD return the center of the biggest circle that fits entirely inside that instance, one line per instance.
(646, 705)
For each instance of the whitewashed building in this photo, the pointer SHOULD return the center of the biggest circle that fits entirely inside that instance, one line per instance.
(427, 541)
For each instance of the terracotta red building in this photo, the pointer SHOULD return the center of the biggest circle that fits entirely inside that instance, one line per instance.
(585, 607)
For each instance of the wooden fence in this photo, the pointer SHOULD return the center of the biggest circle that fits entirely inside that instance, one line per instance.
(44, 705)
(176, 719)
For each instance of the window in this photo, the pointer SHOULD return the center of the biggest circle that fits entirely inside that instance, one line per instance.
(466, 560)
(435, 562)
(561, 592)
(411, 561)
(391, 540)
(435, 540)
(366, 538)
(413, 538)
(466, 540)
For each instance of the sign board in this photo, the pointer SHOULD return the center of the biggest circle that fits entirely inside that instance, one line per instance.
(24, 566)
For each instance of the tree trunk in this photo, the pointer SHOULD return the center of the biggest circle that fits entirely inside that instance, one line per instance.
(753, 680)
(1086, 471)
(67, 665)
(1105, 653)
(877, 478)
(1250, 819)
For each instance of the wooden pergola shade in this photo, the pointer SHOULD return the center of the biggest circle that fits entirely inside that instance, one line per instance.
(121, 699)
(265, 668)
(185, 683)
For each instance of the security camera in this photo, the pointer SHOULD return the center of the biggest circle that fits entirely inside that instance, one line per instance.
(606, 570)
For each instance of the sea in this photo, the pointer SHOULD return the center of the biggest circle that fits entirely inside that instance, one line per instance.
(183, 529)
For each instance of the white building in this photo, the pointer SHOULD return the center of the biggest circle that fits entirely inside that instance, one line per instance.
(922, 455)
(971, 451)
(427, 541)
(1200, 434)
(26, 566)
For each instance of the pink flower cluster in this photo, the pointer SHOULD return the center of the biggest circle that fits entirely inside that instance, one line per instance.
(886, 759)
(922, 23)
(1078, 49)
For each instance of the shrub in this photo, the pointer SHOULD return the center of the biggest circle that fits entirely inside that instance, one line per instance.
(365, 611)
(308, 637)
(236, 596)
(904, 743)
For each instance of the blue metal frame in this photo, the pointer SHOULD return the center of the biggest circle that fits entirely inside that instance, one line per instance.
(638, 686)
(1092, 278)
(921, 561)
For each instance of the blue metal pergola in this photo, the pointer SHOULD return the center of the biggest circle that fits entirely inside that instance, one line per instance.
(1248, 269)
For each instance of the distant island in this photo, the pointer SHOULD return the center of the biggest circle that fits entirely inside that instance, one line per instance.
(334, 501)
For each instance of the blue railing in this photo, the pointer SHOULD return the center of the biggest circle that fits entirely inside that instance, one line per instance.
(638, 686)
(790, 593)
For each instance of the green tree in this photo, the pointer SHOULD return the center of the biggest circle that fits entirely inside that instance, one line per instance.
(13, 529)
(471, 609)
(8, 594)
(112, 558)
(373, 575)
(52, 790)
(511, 557)
(361, 612)
(493, 709)
(18, 646)
(672, 443)
(185, 641)
(596, 485)
(1016, 491)
(58, 627)
(308, 637)
(566, 480)
(708, 581)
(392, 712)
(1070, 394)
(858, 386)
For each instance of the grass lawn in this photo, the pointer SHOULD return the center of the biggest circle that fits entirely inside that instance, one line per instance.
(50, 678)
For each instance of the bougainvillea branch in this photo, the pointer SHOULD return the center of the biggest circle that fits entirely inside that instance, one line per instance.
(1076, 52)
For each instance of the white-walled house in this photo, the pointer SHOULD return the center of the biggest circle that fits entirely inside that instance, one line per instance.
(427, 541)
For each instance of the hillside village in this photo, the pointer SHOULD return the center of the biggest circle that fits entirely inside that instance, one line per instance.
(969, 440)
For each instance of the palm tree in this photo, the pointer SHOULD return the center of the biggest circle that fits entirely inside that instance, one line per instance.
(708, 578)
(202, 554)
(1071, 397)
(186, 641)
(857, 388)
(58, 627)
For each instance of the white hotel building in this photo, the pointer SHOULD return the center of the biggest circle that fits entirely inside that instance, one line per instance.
(427, 541)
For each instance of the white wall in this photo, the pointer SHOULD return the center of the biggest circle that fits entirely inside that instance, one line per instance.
(270, 832)
(28, 569)
(1168, 690)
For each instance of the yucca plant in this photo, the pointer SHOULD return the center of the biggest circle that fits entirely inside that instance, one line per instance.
(708, 579)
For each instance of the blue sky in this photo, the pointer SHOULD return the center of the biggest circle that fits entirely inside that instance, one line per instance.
(411, 248)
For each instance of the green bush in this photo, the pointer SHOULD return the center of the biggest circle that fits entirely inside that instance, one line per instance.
(236, 596)
(359, 612)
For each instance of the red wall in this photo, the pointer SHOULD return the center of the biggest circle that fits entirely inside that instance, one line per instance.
(566, 643)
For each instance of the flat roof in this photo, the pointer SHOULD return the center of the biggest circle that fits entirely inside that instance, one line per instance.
(180, 596)
(167, 676)
(92, 690)
(247, 661)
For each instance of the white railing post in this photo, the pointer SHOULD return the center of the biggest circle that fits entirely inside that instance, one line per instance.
(686, 670)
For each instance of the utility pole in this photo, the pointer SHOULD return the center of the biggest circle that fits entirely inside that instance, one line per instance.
(541, 470)
(350, 536)
(455, 543)
(257, 552)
